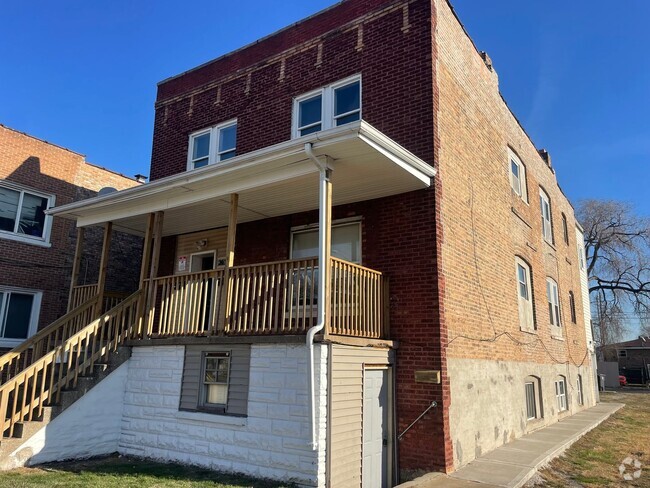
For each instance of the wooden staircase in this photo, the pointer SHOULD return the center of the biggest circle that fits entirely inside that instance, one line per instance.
(54, 368)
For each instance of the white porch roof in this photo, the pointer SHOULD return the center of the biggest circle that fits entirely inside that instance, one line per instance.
(273, 181)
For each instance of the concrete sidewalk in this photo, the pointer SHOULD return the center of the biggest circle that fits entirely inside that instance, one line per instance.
(515, 463)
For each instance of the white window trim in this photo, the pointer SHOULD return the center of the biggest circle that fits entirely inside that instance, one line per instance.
(203, 403)
(213, 150)
(534, 399)
(337, 223)
(327, 104)
(554, 300)
(523, 190)
(561, 396)
(529, 327)
(35, 314)
(580, 393)
(547, 225)
(47, 224)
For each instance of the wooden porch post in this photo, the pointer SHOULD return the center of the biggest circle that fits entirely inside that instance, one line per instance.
(328, 261)
(153, 269)
(144, 271)
(76, 264)
(103, 267)
(226, 288)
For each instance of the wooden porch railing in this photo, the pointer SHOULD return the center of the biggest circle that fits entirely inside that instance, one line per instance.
(267, 299)
(23, 396)
(46, 340)
(81, 294)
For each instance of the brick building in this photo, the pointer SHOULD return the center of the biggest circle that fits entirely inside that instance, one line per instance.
(449, 273)
(36, 250)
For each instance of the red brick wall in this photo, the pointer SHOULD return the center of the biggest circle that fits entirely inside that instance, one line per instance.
(396, 63)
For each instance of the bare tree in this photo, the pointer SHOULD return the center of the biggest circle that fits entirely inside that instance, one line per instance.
(617, 246)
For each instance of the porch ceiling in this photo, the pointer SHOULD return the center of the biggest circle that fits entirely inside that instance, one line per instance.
(273, 181)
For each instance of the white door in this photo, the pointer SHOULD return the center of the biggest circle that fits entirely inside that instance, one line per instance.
(375, 429)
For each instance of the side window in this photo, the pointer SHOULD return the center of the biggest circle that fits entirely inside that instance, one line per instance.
(565, 230)
(581, 400)
(533, 393)
(330, 106)
(517, 176)
(346, 242)
(572, 307)
(560, 393)
(209, 146)
(19, 311)
(525, 295)
(215, 379)
(22, 214)
(547, 222)
(553, 302)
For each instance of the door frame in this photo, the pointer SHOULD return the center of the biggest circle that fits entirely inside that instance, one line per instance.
(391, 453)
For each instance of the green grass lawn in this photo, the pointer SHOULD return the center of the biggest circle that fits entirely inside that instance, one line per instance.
(124, 472)
(594, 460)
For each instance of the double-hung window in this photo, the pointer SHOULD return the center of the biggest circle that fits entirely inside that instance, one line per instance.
(572, 307)
(216, 371)
(525, 295)
(565, 230)
(547, 223)
(581, 399)
(331, 106)
(517, 176)
(22, 214)
(531, 401)
(19, 311)
(553, 302)
(560, 394)
(212, 145)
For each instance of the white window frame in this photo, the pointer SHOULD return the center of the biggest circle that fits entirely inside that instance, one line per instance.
(518, 184)
(203, 403)
(547, 219)
(553, 298)
(581, 399)
(581, 256)
(561, 395)
(338, 223)
(43, 241)
(214, 156)
(33, 319)
(525, 305)
(529, 398)
(328, 118)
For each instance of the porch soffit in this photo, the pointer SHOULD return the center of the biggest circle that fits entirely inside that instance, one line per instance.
(277, 180)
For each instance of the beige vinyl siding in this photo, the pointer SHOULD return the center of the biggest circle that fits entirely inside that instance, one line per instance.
(186, 245)
(584, 288)
(346, 410)
(237, 385)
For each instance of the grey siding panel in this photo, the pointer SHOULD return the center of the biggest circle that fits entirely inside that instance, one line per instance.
(240, 358)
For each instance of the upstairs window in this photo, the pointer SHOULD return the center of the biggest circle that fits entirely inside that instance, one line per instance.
(553, 302)
(547, 227)
(18, 315)
(572, 307)
(525, 295)
(330, 106)
(212, 145)
(518, 176)
(22, 214)
(581, 256)
(565, 230)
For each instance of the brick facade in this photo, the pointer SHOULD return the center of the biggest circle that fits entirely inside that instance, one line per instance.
(449, 251)
(47, 168)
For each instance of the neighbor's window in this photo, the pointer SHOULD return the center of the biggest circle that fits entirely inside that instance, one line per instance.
(216, 371)
(327, 107)
(547, 227)
(572, 306)
(560, 394)
(622, 353)
(565, 230)
(18, 315)
(212, 145)
(525, 294)
(581, 256)
(581, 400)
(553, 302)
(22, 214)
(517, 176)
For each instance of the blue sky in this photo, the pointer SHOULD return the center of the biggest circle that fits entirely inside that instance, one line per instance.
(577, 74)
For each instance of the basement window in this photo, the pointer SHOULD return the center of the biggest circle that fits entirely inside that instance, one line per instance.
(331, 106)
(532, 388)
(560, 394)
(581, 400)
(19, 310)
(22, 214)
(212, 145)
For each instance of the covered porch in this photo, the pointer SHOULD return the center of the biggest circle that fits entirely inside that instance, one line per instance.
(206, 293)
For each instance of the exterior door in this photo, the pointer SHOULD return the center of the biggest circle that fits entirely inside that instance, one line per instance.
(374, 472)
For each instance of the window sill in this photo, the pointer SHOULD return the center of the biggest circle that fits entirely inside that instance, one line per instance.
(27, 240)
(528, 331)
(212, 418)
(557, 338)
(549, 244)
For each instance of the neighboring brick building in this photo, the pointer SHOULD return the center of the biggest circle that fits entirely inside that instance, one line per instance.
(456, 271)
(36, 250)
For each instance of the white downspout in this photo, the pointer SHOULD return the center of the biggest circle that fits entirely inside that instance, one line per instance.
(322, 283)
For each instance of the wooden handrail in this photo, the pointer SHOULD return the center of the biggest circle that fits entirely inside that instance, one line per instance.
(81, 294)
(23, 396)
(45, 339)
